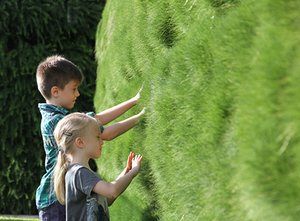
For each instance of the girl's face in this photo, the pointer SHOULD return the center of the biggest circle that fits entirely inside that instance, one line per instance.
(93, 141)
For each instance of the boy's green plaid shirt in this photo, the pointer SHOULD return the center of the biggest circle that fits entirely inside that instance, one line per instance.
(51, 115)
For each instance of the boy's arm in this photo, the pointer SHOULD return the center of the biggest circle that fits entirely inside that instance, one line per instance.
(112, 113)
(121, 127)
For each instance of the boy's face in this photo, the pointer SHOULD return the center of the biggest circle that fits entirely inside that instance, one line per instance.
(67, 96)
(93, 141)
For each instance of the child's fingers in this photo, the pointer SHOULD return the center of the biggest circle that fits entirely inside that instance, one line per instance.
(142, 111)
(129, 156)
(135, 158)
(140, 158)
(141, 88)
(129, 159)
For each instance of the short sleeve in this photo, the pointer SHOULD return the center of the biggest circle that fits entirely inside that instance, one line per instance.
(93, 114)
(85, 180)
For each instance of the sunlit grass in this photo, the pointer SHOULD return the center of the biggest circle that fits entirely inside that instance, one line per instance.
(221, 135)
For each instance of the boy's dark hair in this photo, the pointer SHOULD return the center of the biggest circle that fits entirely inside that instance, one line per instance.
(56, 71)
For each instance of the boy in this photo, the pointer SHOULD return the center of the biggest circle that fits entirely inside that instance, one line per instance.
(58, 80)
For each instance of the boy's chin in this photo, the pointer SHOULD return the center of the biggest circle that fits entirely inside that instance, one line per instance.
(69, 106)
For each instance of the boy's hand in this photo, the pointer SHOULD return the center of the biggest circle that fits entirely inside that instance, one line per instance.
(129, 162)
(137, 97)
(139, 115)
(142, 112)
(136, 164)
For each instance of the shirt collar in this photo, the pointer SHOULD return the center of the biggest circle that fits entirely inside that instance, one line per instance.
(44, 107)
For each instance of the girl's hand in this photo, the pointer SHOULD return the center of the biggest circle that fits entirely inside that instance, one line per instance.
(136, 164)
(129, 161)
(137, 97)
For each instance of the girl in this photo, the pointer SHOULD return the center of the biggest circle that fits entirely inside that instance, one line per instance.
(85, 194)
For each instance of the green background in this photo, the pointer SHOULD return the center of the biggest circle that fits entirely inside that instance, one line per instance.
(30, 31)
(220, 138)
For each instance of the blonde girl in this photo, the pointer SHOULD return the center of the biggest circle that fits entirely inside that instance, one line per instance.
(84, 193)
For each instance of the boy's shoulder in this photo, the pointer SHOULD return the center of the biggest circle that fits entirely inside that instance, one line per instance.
(51, 109)
(51, 115)
(49, 123)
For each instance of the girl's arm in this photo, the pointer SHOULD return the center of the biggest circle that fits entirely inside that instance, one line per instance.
(121, 127)
(126, 170)
(112, 113)
(114, 189)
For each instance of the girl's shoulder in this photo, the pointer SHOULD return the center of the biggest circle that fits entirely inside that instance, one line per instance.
(80, 179)
(79, 169)
(74, 168)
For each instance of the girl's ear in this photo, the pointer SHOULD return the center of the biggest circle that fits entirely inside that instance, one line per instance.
(54, 91)
(79, 142)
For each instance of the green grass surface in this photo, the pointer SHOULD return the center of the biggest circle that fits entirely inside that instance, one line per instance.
(221, 135)
(17, 218)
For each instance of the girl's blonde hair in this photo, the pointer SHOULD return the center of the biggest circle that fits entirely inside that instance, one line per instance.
(65, 133)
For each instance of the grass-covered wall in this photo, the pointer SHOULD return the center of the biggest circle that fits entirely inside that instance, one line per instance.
(221, 85)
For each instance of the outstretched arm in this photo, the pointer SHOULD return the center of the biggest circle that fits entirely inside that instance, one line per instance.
(114, 112)
(128, 167)
(121, 127)
(114, 189)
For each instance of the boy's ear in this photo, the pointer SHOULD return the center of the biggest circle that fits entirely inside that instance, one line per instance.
(79, 142)
(54, 91)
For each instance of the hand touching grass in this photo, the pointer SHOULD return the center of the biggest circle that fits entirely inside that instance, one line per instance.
(133, 163)
(129, 161)
(137, 97)
(136, 164)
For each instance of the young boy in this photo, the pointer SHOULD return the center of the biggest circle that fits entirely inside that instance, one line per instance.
(58, 80)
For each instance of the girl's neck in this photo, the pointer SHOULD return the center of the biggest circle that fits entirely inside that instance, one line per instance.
(80, 159)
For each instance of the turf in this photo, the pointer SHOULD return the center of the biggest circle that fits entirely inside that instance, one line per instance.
(17, 218)
(220, 139)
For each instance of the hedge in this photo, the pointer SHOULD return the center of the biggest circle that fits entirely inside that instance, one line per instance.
(221, 135)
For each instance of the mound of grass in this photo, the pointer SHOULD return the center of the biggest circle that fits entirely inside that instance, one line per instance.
(221, 135)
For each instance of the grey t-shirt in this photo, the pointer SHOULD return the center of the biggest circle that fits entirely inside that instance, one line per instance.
(81, 202)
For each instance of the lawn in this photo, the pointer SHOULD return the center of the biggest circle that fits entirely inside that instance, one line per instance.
(18, 218)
